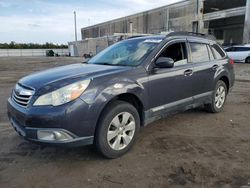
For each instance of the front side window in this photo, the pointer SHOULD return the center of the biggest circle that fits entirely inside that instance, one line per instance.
(230, 49)
(199, 52)
(177, 52)
(126, 53)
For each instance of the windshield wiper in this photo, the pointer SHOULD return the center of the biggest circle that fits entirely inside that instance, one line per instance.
(104, 64)
(109, 64)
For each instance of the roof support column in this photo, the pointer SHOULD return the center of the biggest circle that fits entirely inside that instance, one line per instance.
(246, 34)
(199, 14)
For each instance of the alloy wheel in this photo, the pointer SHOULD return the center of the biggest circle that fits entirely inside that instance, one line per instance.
(220, 97)
(121, 131)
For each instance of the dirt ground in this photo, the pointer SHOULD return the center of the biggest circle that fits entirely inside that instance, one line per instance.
(191, 149)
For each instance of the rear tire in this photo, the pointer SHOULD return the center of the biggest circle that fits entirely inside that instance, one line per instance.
(117, 129)
(247, 60)
(218, 98)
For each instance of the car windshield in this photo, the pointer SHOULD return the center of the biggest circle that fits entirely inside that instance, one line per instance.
(126, 53)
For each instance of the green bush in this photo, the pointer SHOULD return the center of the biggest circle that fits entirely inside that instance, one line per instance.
(50, 53)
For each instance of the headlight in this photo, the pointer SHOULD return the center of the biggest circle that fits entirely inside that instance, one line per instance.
(63, 95)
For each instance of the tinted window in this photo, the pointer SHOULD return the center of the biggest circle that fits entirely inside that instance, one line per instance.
(242, 49)
(218, 53)
(177, 52)
(231, 49)
(199, 52)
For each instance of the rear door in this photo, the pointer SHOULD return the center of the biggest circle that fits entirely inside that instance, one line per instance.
(204, 69)
(238, 53)
(241, 53)
(231, 52)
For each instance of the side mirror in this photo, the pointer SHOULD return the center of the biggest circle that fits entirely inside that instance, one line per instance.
(164, 62)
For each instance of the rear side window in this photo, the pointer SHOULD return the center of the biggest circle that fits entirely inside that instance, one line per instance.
(199, 52)
(242, 49)
(218, 52)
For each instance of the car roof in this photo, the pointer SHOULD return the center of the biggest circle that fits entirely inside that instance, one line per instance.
(176, 35)
(148, 37)
(191, 34)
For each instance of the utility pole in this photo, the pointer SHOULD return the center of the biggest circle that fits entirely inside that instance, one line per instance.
(75, 26)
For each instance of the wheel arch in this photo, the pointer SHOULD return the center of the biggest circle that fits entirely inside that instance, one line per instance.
(129, 98)
(248, 57)
(225, 80)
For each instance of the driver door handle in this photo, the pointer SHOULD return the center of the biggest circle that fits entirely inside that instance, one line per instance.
(188, 72)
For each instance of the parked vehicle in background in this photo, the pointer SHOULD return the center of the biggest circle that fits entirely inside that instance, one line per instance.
(128, 85)
(239, 53)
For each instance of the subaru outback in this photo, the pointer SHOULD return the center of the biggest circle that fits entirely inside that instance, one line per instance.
(130, 84)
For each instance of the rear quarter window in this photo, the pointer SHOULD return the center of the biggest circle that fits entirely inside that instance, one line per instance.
(218, 52)
(211, 55)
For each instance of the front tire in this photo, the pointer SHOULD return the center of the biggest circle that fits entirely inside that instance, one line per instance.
(218, 98)
(117, 129)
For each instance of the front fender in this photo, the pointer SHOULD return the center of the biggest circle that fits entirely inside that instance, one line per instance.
(101, 92)
(105, 91)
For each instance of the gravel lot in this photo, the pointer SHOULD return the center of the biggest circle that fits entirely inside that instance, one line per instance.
(191, 149)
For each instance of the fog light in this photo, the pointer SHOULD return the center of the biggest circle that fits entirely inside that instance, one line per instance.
(52, 135)
(46, 135)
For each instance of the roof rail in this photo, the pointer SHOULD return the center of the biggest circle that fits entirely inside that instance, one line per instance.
(185, 33)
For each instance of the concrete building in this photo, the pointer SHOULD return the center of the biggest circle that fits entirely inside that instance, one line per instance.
(88, 46)
(227, 20)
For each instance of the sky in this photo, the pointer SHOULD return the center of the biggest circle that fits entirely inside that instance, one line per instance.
(40, 21)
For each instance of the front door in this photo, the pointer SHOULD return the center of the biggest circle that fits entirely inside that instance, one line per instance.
(171, 88)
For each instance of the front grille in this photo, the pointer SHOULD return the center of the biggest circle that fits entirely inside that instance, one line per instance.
(22, 95)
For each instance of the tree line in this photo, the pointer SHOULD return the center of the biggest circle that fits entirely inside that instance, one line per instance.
(47, 45)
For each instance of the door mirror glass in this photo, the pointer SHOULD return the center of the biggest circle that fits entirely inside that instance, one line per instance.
(164, 62)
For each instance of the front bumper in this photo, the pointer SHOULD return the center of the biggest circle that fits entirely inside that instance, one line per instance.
(68, 119)
(30, 134)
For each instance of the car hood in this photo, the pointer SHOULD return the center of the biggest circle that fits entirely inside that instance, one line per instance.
(64, 75)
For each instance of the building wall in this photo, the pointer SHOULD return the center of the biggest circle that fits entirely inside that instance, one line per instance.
(177, 17)
(228, 20)
(88, 46)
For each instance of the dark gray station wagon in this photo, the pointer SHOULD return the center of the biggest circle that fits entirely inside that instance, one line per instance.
(128, 85)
